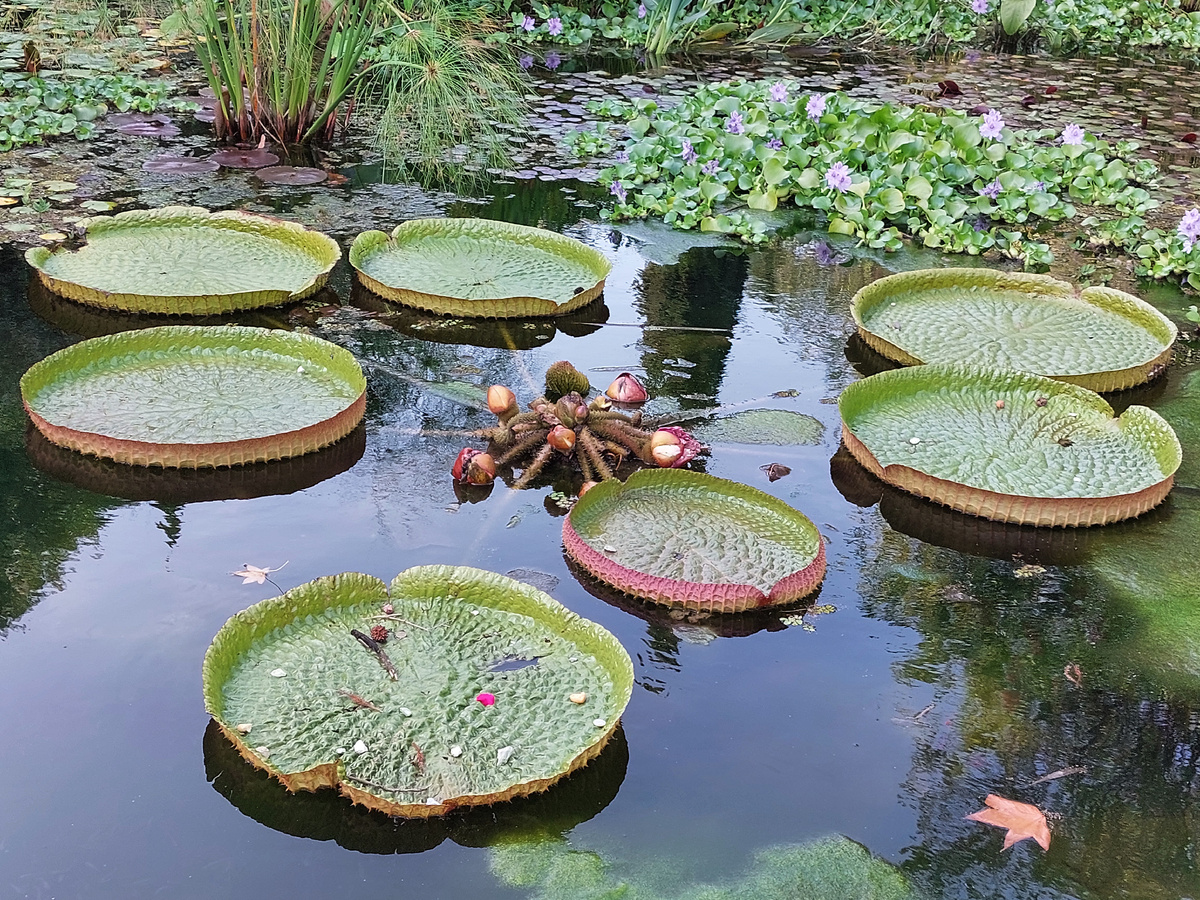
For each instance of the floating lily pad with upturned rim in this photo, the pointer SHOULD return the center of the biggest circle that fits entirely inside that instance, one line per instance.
(185, 396)
(282, 667)
(184, 260)
(1009, 445)
(1098, 338)
(479, 267)
(695, 541)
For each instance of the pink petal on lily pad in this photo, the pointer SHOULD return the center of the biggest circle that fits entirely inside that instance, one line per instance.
(245, 159)
(486, 699)
(689, 446)
(292, 175)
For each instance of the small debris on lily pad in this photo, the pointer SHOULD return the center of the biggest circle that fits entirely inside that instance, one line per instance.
(264, 752)
(456, 751)
(599, 723)
(360, 747)
(244, 728)
(278, 673)
(504, 754)
(486, 699)
(579, 697)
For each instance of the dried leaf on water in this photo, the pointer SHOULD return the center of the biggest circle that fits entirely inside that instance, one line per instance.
(775, 471)
(255, 574)
(1023, 820)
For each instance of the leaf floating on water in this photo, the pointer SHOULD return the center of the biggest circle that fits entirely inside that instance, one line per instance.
(1029, 570)
(775, 471)
(255, 574)
(1023, 820)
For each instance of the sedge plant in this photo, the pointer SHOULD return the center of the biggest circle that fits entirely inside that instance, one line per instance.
(671, 24)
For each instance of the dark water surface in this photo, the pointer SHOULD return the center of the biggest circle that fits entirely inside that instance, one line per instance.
(938, 679)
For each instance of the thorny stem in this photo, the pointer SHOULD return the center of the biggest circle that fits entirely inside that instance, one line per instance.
(594, 453)
(523, 446)
(531, 471)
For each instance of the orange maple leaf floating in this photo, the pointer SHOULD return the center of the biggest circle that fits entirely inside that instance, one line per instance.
(1023, 820)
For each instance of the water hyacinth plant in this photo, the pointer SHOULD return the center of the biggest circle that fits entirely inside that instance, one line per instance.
(879, 172)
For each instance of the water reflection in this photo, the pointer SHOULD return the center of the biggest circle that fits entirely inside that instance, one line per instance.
(179, 486)
(327, 816)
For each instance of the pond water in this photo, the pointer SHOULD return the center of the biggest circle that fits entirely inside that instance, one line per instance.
(946, 670)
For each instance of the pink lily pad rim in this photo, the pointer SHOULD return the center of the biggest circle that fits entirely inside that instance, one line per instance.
(708, 597)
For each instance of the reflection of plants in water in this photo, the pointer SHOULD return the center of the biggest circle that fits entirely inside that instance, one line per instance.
(834, 868)
(1111, 760)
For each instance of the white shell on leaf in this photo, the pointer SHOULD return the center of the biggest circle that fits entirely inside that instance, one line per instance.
(278, 673)
(599, 723)
(244, 728)
(405, 711)
(339, 750)
(504, 754)
(360, 748)
(264, 752)
(914, 441)
(456, 751)
(433, 801)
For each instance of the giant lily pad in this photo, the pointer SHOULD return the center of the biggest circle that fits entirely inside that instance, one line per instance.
(184, 260)
(1098, 338)
(1008, 445)
(692, 540)
(186, 396)
(479, 267)
(481, 710)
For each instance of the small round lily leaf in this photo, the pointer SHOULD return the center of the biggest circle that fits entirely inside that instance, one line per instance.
(1098, 338)
(692, 540)
(479, 710)
(194, 396)
(1008, 445)
(184, 260)
(761, 426)
(479, 267)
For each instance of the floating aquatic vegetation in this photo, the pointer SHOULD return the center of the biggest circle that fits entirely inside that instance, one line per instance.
(1008, 445)
(1098, 338)
(131, 261)
(252, 158)
(193, 397)
(297, 176)
(170, 164)
(517, 730)
(147, 126)
(695, 541)
(479, 267)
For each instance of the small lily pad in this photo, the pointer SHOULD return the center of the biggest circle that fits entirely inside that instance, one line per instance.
(761, 426)
(169, 164)
(297, 176)
(253, 158)
(691, 540)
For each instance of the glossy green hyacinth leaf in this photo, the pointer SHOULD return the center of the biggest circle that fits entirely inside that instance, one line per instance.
(690, 539)
(198, 387)
(1100, 338)
(1008, 433)
(421, 743)
(479, 267)
(182, 260)
(761, 426)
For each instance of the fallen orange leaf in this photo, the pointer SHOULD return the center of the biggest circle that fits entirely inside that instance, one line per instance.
(1023, 820)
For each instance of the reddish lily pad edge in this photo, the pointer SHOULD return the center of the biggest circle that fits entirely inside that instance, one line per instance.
(693, 595)
(321, 247)
(470, 585)
(217, 454)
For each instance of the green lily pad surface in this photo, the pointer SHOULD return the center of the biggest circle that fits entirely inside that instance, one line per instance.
(184, 260)
(1098, 338)
(691, 540)
(193, 396)
(479, 267)
(279, 676)
(761, 426)
(1008, 445)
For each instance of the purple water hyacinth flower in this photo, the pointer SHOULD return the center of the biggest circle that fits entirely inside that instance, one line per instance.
(526, 61)
(979, 6)
(779, 92)
(711, 167)
(838, 177)
(553, 60)
(529, 24)
(1189, 228)
(622, 156)
(815, 107)
(689, 152)
(993, 125)
(775, 144)
(641, 10)
(1072, 135)
(992, 191)
(1036, 187)
(618, 190)
(735, 124)
(554, 26)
